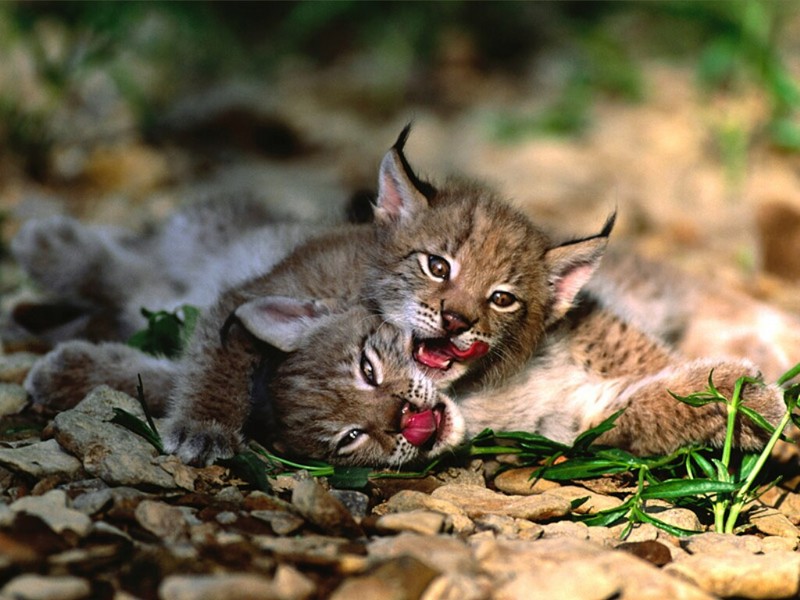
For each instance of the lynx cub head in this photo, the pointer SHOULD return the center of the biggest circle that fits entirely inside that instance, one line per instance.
(347, 391)
(471, 277)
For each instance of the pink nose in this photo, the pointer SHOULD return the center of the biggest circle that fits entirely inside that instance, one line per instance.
(419, 427)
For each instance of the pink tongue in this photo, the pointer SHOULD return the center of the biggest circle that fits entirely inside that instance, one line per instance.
(440, 357)
(419, 427)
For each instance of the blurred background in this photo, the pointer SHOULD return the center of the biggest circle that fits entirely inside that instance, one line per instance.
(685, 116)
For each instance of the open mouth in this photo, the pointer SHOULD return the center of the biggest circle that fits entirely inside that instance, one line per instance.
(421, 427)
(441, 353)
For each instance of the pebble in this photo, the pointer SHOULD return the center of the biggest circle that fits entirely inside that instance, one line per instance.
(416, 521)
(319, 507)
(109, 451)
(13, 398)
(594, 502)
(402, 578)
(41, 459)
(39, 587)
(166, 522)
(445, 554)
(52, 509)
(477, 501)
(740, 574)
(519, 482)
(408, 500)
(721, 543)
(281, 522)
(772, 522)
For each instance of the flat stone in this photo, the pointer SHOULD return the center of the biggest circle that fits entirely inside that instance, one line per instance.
(570, 568)
(508, 527)
(13, 398)
(772, 522)
(408, 500)
(237, 586)
(39, 587)
(109, 451)
(594, 502)
(677, 517)
(52, 509)
(720, 543)
(773, 543)
(518, 482)
(741, 574)
(476, 501)
(444, 554)
(417, 521)
(319, 507)
(41, 459)
(281, 522)
(568, 529)
(398, 579)
(14, 367)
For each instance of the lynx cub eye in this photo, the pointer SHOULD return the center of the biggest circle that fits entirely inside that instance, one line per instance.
(352, 439)
(368, 370)
(503, 301)
(435, 267)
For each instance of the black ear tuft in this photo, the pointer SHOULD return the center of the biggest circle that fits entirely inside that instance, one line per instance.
(609, 226)
(423, 187)
(262, 420)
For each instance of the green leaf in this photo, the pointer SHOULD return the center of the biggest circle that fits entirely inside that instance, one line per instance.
(789, 375)
(705, 465)
(696, 400)
(581, 468)
(585, 439)
(135, 425)
(249, 467)
(605, 518)
(756, 418)
(350, 478)
(680, 488)
(167, 332)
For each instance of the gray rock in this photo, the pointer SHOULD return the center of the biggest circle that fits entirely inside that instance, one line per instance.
(476, 501)
(109, 451)
(52, 509)
(354, 501)
(319, 507)
(13, 398)
(41, 459)
(424, 522)
(741, 574)
(39, 587)
(281, 522)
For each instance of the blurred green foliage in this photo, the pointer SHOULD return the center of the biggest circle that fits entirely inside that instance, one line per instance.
(157, 50)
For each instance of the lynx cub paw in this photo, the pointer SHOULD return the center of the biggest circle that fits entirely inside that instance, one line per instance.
(63, 377)
(59, 252)
(200, 443)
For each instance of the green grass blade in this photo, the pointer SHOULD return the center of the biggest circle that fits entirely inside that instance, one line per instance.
(587, 438)
(789, 375)
(135, 425)
(680, 488)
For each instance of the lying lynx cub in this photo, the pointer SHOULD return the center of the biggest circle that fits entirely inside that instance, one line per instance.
(480, 298)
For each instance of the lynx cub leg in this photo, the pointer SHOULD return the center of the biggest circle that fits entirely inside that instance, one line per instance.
(63, 377)
(655, 423)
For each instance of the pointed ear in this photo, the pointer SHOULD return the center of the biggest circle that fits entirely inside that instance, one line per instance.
(401, 194)
(571, 265)
(281, 321)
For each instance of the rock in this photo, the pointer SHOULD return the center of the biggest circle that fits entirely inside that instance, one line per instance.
(13, 398)
(772, 522)
(408, 500)
(162, 520)
(519, 482)
(444, 554)
(14, 367)
(281, 522)
(403, 578)
(677, 517)
(52, 509)
(318, 549)
(354, 501)
(237, 586)
(41, 459)
(741, 574)
(39, 587)
(652, 551)
(477, 501)
(773, 543)
(594, 502)
(570, 568)
(508, 527)
(568, 529)
(109, 451)
(317, 506)
(458, 587)
(416, 521)
(720, 543)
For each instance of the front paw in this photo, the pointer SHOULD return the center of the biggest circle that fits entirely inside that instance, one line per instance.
(200, 443)
(62, 377)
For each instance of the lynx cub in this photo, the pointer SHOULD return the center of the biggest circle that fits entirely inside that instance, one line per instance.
(481, 299)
